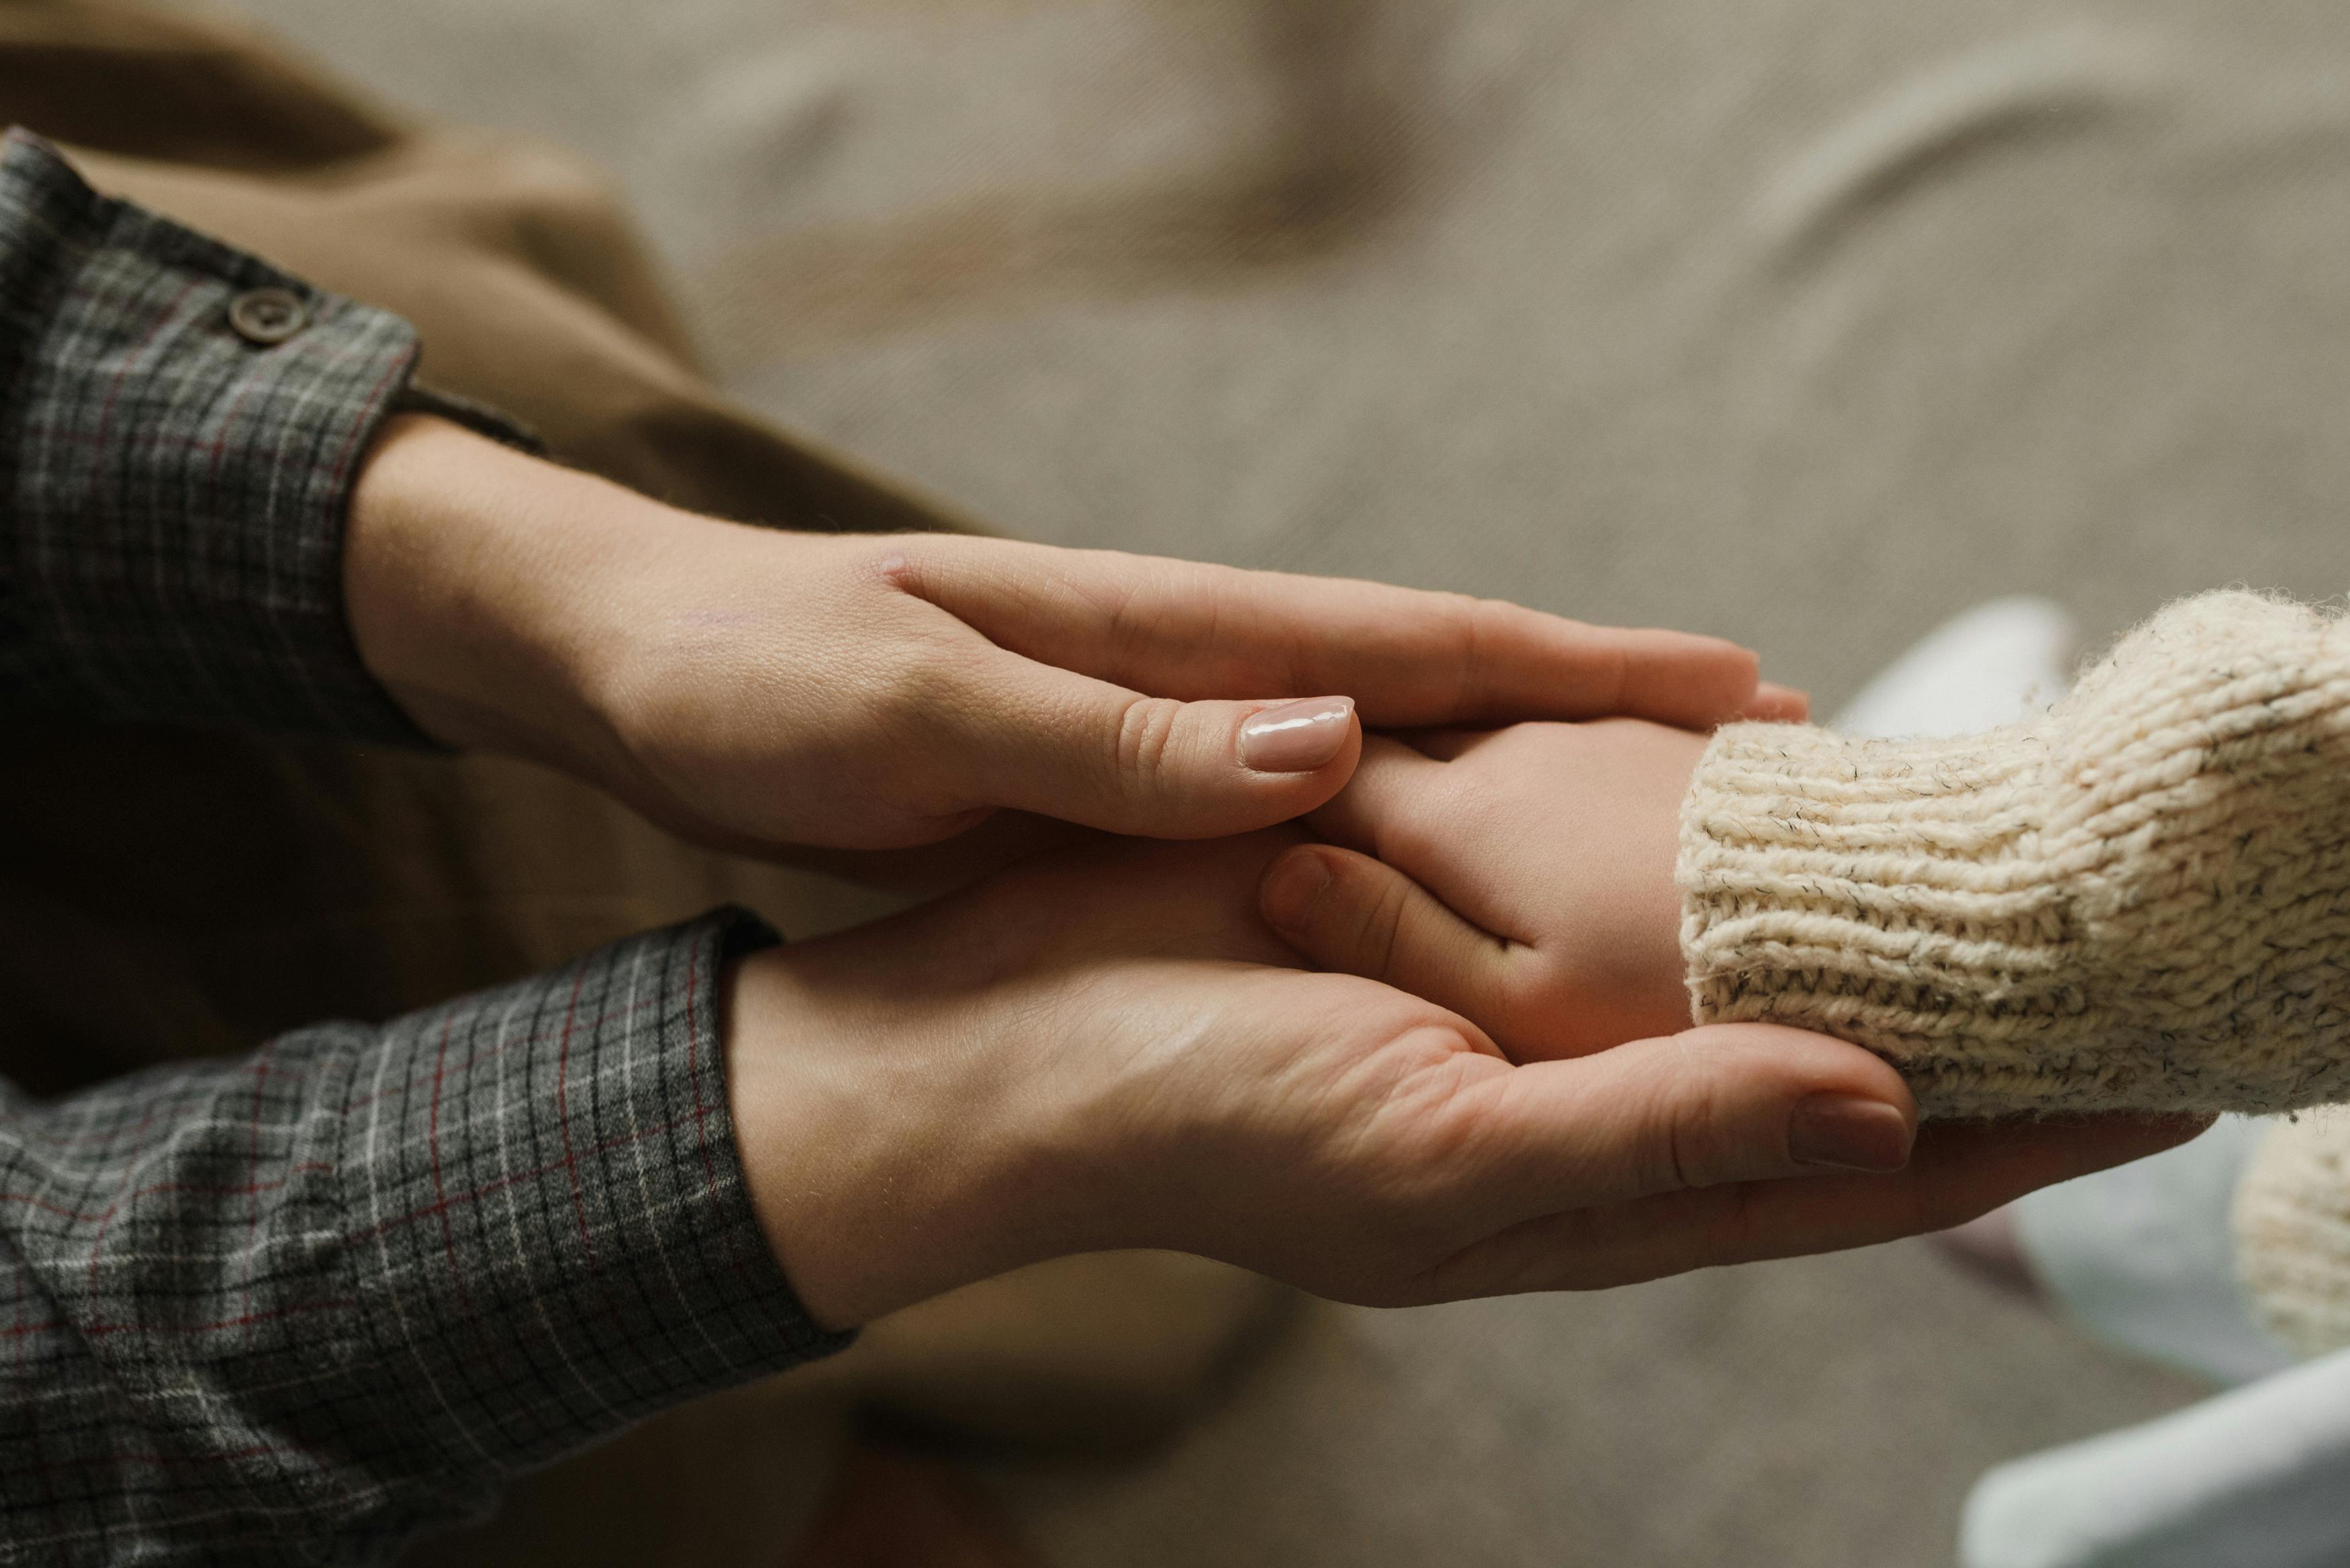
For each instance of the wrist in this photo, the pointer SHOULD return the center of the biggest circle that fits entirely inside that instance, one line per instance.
(885, 1141)
(480, 583)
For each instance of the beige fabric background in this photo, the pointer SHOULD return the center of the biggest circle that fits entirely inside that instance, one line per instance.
(1805, 321)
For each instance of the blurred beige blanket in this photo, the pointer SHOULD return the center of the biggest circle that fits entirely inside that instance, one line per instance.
(1807, 321)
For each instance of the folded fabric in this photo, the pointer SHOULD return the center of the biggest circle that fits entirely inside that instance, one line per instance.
(2253, 1477)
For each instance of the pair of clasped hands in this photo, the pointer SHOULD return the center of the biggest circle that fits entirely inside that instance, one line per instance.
(1321, 927)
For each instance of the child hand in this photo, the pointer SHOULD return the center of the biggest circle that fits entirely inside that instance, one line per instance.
(1522, 877)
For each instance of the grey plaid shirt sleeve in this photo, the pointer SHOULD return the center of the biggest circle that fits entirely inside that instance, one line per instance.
(172, 488)
(296, 1308)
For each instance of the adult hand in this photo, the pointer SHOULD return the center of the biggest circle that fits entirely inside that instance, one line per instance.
(758, 688)
(1523, 877)
(1107, 1050)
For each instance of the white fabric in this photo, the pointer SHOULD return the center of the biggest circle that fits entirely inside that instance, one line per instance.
(1991, 666)
(2256, 1478)
(2143, 1256)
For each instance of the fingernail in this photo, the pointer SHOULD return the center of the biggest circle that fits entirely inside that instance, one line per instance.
(1289, 889)
(1847, 1132)
(1296, 737)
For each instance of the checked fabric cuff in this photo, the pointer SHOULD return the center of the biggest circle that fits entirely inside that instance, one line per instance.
(344, 1289)
(180, 425)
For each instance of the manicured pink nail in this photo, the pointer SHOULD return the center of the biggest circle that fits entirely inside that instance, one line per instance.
(1847, 1132)
(1296, 737)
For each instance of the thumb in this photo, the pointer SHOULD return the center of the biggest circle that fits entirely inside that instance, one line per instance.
(1715, 1104)
(1345, 911)
(1043, 740)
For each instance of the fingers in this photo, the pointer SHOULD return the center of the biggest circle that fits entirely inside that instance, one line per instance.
(1040, 739)
(1710, 1107)
(1349, 912)
(1957, 1170)
(1389, 801)
(1396, 807)
(1777, 704)
(1180, 630)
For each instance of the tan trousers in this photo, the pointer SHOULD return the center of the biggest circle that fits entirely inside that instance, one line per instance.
(168, 892)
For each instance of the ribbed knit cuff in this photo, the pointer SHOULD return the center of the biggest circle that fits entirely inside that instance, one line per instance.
(2139, 900)
(1891, 893)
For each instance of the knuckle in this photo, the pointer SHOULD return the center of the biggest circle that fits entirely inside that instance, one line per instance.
(1520, 992)
(1476, 637)
(1381, 940)
(1144, 738)
(1476, 628)
(896, 580)
(915, 688)
(1736, 1234)
(1683, 1142)
(1134, 618)
(901, 564)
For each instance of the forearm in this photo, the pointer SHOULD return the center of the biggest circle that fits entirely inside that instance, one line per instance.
(310, 1302)
(2140, 901)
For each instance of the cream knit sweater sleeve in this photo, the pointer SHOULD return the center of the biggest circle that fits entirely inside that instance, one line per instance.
(2140, 900)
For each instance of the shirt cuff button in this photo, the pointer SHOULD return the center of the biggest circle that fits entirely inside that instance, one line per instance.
(268, 317)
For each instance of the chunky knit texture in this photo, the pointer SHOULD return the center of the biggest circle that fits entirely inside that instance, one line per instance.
(2138, 901)
(2293, 1232)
